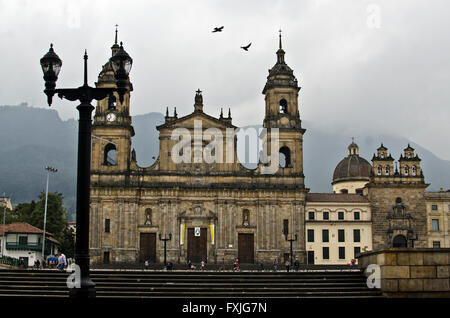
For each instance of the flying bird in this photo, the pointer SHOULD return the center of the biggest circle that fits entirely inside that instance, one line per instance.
(246, 47)
(218, 29)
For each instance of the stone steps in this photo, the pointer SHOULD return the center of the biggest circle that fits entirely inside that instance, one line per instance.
(188, 284)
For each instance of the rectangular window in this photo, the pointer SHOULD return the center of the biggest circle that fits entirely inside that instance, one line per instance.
(310, 235)
(436, 244)
(325, 253)
(356, 215)
(435, 225)
(285, 227)
(356, 250)
(341, 252)
(341, 235)
(106, 257)
(326, 216)
(325, 236)
(23, 240)
(340, 215)
(356, 236)
(434, 207)
(311, 215)
(107, 225)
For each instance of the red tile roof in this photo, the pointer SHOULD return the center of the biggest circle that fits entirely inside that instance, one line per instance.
(21, 227)
(336, 197)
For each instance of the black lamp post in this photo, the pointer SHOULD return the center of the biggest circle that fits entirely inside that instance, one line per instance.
(291, 241)
(165, 239)
(51, 65)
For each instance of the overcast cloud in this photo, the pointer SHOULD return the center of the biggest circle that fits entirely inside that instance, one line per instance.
(357, 78)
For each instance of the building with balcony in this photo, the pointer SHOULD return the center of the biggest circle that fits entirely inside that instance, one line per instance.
(24, 241)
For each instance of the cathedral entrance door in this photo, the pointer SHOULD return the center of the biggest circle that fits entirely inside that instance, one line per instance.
(147, 250)
(197, 245)
(246, 246)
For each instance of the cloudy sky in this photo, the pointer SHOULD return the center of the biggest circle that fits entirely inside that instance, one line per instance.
(365, 67)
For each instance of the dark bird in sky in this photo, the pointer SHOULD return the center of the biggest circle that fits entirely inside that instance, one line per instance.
(246, 47)
(218, 29)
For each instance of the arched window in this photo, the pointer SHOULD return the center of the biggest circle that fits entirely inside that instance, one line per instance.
(112, 102)
(285, 157)
(379, 170)
(387, 170)
(382, 155)
(110, 155)
(344, 191)
(406, 170)
(414, 170)
(399, 241)
(283, 106)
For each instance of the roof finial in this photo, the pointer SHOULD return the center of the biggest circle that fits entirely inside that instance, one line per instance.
(229, 112)
(221, 113)
(115, 41)
(280, 38)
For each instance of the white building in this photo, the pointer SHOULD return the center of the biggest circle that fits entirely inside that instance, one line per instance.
(338, 227)
(24, 241)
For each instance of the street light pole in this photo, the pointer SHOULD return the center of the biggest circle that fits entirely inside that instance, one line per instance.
(291, 241)
(51, 65)
(54, 170)
(4, 225)
(165, 239)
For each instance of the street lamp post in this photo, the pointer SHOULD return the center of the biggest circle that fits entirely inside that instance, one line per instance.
(292, 241)
(54, 170)
(4, 225)
(165, 239)
(51, 65)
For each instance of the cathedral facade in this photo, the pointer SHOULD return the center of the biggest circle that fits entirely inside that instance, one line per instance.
(220, 210)
(210, 211)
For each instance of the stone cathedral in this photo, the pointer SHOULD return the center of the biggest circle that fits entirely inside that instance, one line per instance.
(222, 210)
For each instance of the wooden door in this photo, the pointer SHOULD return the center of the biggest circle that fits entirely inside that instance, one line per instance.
(246, 244)
(197, 245)
(311, 257)
(147, 247)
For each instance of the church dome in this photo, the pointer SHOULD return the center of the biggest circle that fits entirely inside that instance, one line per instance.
(353, 167)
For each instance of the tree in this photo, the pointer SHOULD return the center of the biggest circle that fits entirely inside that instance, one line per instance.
(68, 242)
(24, 211)
(56, 215)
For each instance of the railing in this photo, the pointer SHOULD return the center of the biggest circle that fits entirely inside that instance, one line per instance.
(9, 261)
(27, 247)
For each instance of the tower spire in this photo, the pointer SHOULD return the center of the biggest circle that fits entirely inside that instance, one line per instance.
(115, 46)
(281, 47)
(280, 52)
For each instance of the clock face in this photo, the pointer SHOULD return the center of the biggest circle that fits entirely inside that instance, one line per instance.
(111, 117)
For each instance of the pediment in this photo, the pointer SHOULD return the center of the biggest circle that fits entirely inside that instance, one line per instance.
(189, 122)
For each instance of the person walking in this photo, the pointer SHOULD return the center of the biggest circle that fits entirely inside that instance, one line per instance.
(261, 265)
(146, 264)
(203, 265)
(236, 265)
(288, 265)
(62, 262)
(275, 265)
(296, 265)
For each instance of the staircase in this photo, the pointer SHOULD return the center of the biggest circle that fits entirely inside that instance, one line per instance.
(191, 284)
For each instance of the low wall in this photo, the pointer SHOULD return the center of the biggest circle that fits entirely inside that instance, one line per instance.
(411, 272)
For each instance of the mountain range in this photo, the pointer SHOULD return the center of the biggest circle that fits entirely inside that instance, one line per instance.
(32, 138)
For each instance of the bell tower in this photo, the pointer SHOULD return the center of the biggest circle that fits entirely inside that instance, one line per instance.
(111, 130)
(281, 97)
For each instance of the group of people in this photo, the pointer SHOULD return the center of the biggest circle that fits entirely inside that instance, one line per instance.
(60, 263)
